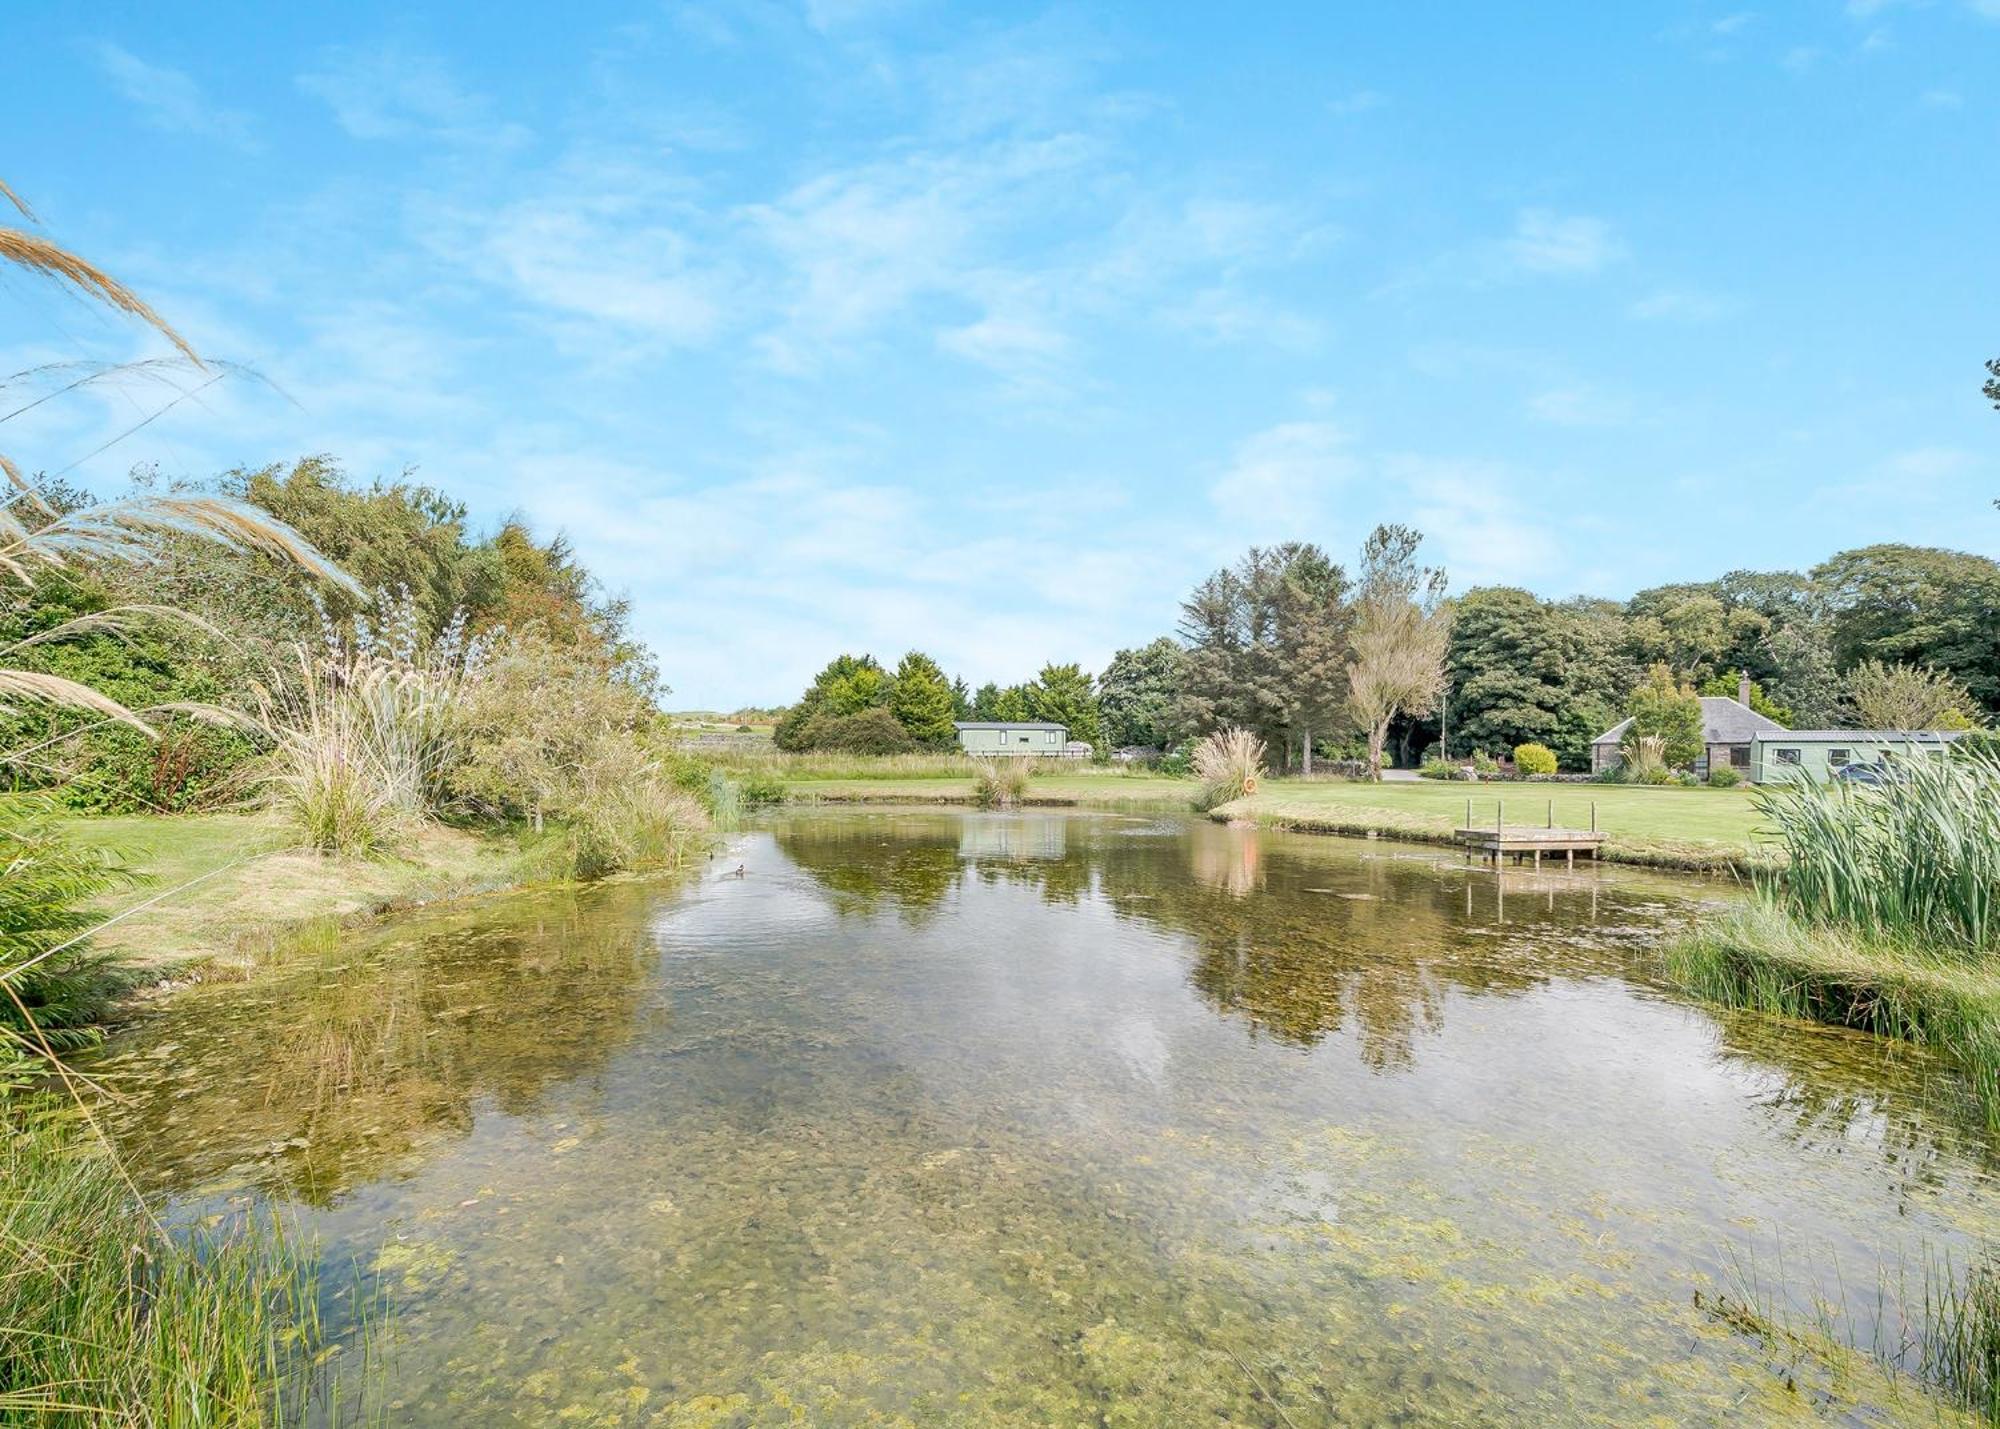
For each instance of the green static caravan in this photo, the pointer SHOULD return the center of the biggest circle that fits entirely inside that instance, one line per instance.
(983, 738)
(1819, 754)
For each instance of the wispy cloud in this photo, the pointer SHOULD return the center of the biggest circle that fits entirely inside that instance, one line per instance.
(1282, 479)
(394, 93)
(1547, 242)
(1360, 101)
(1680, 305)
(171, 100)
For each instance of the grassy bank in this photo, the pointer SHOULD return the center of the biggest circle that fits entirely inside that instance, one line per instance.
(105, 1318)
(1883, 917)
(1760, 956)
(222, 890)
(1704, 830)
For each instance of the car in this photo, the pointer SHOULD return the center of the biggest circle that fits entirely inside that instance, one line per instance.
(1876, 774)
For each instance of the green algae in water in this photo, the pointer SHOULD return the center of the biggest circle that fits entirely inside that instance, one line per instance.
(939, 1118)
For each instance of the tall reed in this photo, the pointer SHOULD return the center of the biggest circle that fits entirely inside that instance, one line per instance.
(1916, 860)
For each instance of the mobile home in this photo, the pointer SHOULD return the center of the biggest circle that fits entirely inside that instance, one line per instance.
(1820, 754)
(986, 738)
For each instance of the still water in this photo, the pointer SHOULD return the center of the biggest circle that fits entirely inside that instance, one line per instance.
(938, 1118)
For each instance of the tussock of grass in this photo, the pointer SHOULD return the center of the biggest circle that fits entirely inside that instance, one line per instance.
(1001, 783)
(1758, 956)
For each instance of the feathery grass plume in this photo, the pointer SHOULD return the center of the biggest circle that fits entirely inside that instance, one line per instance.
(58, 264)
(31, 687)
(1228, 763)
(18, 202)
(23, 488)
(1001, 783)
(129, 530)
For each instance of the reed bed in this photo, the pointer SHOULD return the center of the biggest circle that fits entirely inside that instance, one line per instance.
(1915, 860)
(1883, 916)
(776, 764)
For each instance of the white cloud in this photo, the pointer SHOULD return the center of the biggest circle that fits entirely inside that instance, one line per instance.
(1281, 479)
(392, 93)
(1547, 242)
(1730, 24)
(1470, 512)
(1943, 98)
(1358, 102)
(171, 100)
(1683, 305)
(1579, 406)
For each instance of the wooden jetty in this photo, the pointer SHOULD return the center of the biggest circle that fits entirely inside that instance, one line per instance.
(1529, 841)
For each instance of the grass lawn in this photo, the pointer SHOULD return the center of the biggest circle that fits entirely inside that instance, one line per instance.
(1106, 789)
(1673, 828)
(223, 889)
(1688, 828)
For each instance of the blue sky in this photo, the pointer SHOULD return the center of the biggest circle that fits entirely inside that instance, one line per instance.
(879, 324)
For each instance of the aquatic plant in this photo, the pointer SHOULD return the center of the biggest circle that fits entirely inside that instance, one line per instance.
(105, 1317)
(1228, 763)
(1000, 783)
(1916, 859)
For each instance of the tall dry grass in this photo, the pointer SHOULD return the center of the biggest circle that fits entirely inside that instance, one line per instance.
(1228, 764)
(1001, 783)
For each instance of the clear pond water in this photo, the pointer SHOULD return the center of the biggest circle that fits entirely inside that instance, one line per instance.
(932, 1118)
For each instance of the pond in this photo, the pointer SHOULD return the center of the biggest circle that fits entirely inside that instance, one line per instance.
(925, 1117)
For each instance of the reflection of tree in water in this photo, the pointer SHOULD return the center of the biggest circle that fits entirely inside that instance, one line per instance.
(310, 1082)
(1853, 1092)
(913, 862)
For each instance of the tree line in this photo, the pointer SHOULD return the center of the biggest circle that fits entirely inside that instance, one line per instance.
(1378, 666)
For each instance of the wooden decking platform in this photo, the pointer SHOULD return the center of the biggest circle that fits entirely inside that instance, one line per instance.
(1529, 841)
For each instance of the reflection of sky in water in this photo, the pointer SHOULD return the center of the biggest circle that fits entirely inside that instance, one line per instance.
(1004, 1118)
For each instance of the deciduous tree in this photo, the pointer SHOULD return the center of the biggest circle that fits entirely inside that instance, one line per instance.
(1400, 636)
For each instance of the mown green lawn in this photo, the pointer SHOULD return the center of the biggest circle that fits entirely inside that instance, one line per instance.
(1674, 825)
(1691, 827)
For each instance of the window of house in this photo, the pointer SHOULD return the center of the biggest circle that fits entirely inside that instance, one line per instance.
(1739, 756)
(1836, 758)
(1024, 739)
(1785, 756)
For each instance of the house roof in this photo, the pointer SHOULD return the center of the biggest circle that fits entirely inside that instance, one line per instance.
(1723, 721)
(1006, 724)
(1862, 736)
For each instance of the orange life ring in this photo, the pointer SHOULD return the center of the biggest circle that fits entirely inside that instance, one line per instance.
(1249, 783)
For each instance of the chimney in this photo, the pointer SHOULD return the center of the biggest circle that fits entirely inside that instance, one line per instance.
(1743, 688)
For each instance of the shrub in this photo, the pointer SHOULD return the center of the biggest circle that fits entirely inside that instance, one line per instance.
(1178, 762)
(1228, 763)
(1484, 764)
(871, 731)
(1534, 759)
(1001, 783)
(1435, 768)
(760, 791)
(1721, 776)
